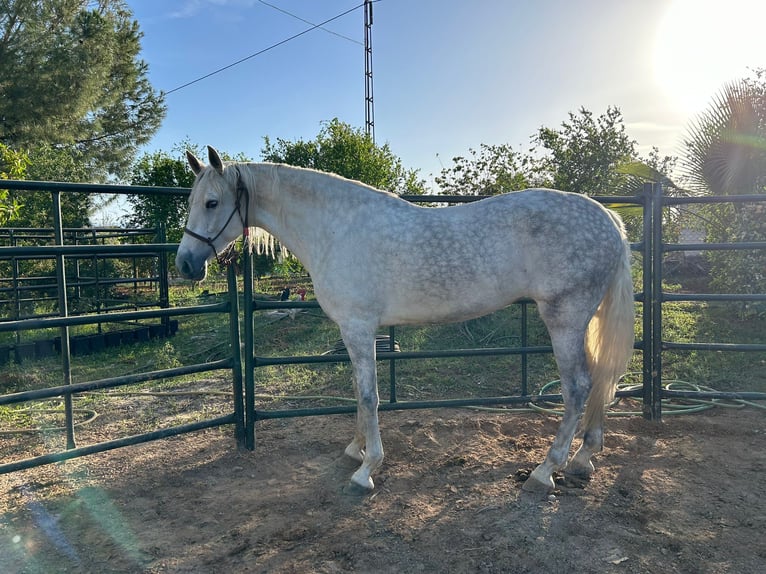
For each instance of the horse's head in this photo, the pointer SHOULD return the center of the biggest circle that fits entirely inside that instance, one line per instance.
(217, 196)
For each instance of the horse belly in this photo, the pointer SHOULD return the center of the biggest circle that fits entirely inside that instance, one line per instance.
(446, 303)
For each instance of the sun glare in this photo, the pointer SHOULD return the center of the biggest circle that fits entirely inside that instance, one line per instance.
(702, 44)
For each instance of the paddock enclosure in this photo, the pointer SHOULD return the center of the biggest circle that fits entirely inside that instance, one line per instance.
(244, 314)
(677, 497)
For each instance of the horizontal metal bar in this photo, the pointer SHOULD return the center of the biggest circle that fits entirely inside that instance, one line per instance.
(262, 305)
(67, 187)
(706, 395)
(132, 250)
(414, 405)
(402, 355)
(713, 296)
(42, 232)
(113, 444)
(735, 246)
(669, 200)
(93, 319)
(114, 382)
(471, 198)
(667, 346)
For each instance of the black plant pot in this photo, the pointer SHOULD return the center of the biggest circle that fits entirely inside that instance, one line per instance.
(142, 334)
(45, 348)
(24, 351)
(113, 339)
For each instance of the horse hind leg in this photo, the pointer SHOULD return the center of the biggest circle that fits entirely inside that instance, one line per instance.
(581, 467)
(569, 351)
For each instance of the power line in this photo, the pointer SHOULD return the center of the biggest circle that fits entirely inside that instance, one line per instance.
(278, 9)
(259, 52)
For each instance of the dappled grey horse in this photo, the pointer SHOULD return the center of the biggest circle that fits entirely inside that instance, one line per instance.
(377, 260)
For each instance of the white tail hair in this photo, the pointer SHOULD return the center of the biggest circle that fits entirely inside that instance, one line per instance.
(609, 339)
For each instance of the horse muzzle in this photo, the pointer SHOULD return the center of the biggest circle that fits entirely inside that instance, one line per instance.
(190, 266)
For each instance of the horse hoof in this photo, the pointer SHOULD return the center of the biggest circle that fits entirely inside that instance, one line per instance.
(536, 486)
(363, 482)
(579, 471)
(353, 489)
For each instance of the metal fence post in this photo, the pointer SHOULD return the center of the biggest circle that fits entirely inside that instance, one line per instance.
(236, 357)
(647, 300)
(656, 302)
(524, 344)
(250, 415)
(392, 365)
(63, 312)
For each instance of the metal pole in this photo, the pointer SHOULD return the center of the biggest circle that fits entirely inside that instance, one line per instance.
(657, 205)
(63, 312)
(369, 104)
(236, 357)
(392, 364)
(164, 285)
(647, 302)
(524, 341)
(247, 280)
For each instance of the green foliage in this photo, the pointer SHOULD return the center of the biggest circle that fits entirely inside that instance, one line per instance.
(159, 169)
(13, 165)
(47, 162)
(349, 152)
(71, 78)
(638, 172)
(725, 153)
(725, 146)
(582, 155)
(491, 170)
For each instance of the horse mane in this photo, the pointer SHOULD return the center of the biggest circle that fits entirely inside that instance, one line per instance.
(257, 239)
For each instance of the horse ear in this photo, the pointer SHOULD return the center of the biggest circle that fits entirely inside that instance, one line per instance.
(195, 164)
(214, 159)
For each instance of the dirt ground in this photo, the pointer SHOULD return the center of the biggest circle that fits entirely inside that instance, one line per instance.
(681, 496)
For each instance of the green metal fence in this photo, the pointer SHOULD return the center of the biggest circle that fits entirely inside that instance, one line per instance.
(246, 412)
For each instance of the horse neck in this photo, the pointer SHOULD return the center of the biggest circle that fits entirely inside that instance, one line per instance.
(292, 204)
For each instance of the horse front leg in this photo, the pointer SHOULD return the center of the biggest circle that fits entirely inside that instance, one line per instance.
(366, 446)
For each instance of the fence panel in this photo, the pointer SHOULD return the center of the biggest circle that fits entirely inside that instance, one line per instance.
(63, 321)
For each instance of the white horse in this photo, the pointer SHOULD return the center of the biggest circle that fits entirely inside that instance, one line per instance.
(375, 260)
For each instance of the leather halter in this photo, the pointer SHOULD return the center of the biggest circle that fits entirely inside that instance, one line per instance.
(228, 255)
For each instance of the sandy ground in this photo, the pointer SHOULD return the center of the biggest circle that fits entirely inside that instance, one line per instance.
(681, 496)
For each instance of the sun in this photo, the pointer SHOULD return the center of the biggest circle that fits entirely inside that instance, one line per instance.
(702, 44)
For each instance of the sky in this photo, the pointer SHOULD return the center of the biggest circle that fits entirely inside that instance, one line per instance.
(448, 75)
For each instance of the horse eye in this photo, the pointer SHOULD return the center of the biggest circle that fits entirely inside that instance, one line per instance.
(211, 204)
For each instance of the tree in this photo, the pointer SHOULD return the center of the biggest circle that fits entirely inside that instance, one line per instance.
(71, 78)
(348, 152)
(35, 208)
(160, 169)
(490, 170)
(582, 155)
(725, 155)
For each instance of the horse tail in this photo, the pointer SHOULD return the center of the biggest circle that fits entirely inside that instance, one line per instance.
(610, 337)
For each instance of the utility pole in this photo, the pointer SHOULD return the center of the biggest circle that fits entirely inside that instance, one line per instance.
(369, 104)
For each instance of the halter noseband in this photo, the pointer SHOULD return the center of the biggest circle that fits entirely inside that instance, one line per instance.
(228, 255)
